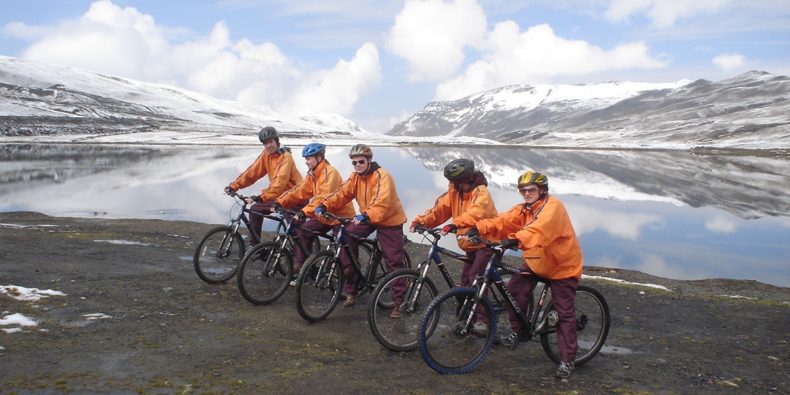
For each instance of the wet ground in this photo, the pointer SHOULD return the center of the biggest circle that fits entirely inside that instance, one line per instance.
(136, 319)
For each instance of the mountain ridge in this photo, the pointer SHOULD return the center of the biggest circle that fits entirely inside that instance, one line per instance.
(745, 111)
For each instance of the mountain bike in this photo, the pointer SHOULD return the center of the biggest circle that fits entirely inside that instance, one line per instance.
(219, 253)
(320, 282)
(400, 334)
(267, 269)
(450, 346)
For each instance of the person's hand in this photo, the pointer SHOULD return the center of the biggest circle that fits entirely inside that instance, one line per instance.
(320, 210)
(509, 244)
(300, 216)
(228, 190)
(252, 199)
(473, 232)
(414, 225)
(449, 228)
(360, 218)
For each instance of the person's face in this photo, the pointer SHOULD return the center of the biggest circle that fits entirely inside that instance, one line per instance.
(270, 145)
(530, 193)
(311, 161)
(361, 163)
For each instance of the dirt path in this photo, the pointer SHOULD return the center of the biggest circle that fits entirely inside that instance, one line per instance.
(162, 330)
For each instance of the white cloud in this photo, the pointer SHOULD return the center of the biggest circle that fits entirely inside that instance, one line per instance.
(620, 224)
(720, 225)
(728, 61)
(431, 35)
(538, 55)
(125, 42)
(662, 13)
(337, 90)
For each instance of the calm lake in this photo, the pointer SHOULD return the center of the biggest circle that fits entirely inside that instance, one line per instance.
(672, 214)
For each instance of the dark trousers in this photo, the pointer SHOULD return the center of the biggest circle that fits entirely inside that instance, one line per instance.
(257, 211)
(478, 260)
(306, 232)
(391, 242)
(563, 295)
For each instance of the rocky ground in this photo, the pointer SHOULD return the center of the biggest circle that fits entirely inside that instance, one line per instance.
(157, 328)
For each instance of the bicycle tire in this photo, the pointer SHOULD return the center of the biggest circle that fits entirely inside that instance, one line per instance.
(264, 273)
(400, 334)
(593, 320)
(452, 347)
(319, 286)
(209, 265)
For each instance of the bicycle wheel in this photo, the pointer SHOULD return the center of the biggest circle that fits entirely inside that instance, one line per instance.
(264, 273)
(319, 286)
(400, 334)
(592, 326)
(452, 347)
(218, 255)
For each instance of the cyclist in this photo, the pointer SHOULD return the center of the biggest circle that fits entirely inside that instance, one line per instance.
(321, 180)
(542, 229)
(276, 162)
(380, 211)
(466, 201)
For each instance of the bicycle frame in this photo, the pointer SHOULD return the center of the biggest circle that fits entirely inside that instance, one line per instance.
(492, 276)
(339, 245)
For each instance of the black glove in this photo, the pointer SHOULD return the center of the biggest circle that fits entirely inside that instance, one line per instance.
(320, 209)
(300, 216)
(509, 244)
(473, 232)
(449, 228)
(229, 190)
(255, 198)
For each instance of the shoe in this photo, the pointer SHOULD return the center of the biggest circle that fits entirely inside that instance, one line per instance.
(293, 281)
(350, 301)
(510, 341)
(395, 312)
(564, 370)
(480, 329)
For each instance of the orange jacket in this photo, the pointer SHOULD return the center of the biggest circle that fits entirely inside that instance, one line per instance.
(318, 184)
(465, 209)
(280, 168)
(375, 194)
(545, 234)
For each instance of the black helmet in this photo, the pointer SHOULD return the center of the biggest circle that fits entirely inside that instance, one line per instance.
(268, 133)
(460, 170)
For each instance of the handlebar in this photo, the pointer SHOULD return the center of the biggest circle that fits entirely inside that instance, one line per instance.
(343, 220)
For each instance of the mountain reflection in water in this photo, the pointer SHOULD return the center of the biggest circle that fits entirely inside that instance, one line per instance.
(669, 213)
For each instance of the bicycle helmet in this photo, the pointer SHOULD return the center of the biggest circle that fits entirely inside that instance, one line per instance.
(360, 150)
(459, 170)
(268, 133)
(533, 177)
(313, 149)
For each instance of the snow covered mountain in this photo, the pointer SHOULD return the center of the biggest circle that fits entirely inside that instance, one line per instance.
(747, 111)
(39, 99)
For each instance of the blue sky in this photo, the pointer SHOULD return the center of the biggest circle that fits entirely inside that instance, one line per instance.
(377, 62)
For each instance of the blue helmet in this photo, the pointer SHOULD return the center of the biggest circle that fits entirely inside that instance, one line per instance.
(313, 149)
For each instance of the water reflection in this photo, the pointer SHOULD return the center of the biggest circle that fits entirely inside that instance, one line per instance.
(672, 214)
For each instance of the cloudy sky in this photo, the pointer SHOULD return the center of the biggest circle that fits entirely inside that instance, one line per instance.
(377, 62)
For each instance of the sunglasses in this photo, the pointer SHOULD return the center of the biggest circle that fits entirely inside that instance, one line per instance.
(528, 189)
(358, 162)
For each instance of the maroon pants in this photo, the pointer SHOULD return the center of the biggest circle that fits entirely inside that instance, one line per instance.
(563, 295)
(306, 232)
(257, 211)
(391, 241)
(478, 260)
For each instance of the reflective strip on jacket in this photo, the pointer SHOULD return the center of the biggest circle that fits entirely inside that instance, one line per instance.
(375, 195)
(280, 168)
(545, 235)
(464, 208)
(317, 185)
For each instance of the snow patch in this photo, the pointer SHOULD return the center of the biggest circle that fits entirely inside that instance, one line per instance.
(123, 242)
(96, 316)
(620, 281)
(28, 294)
